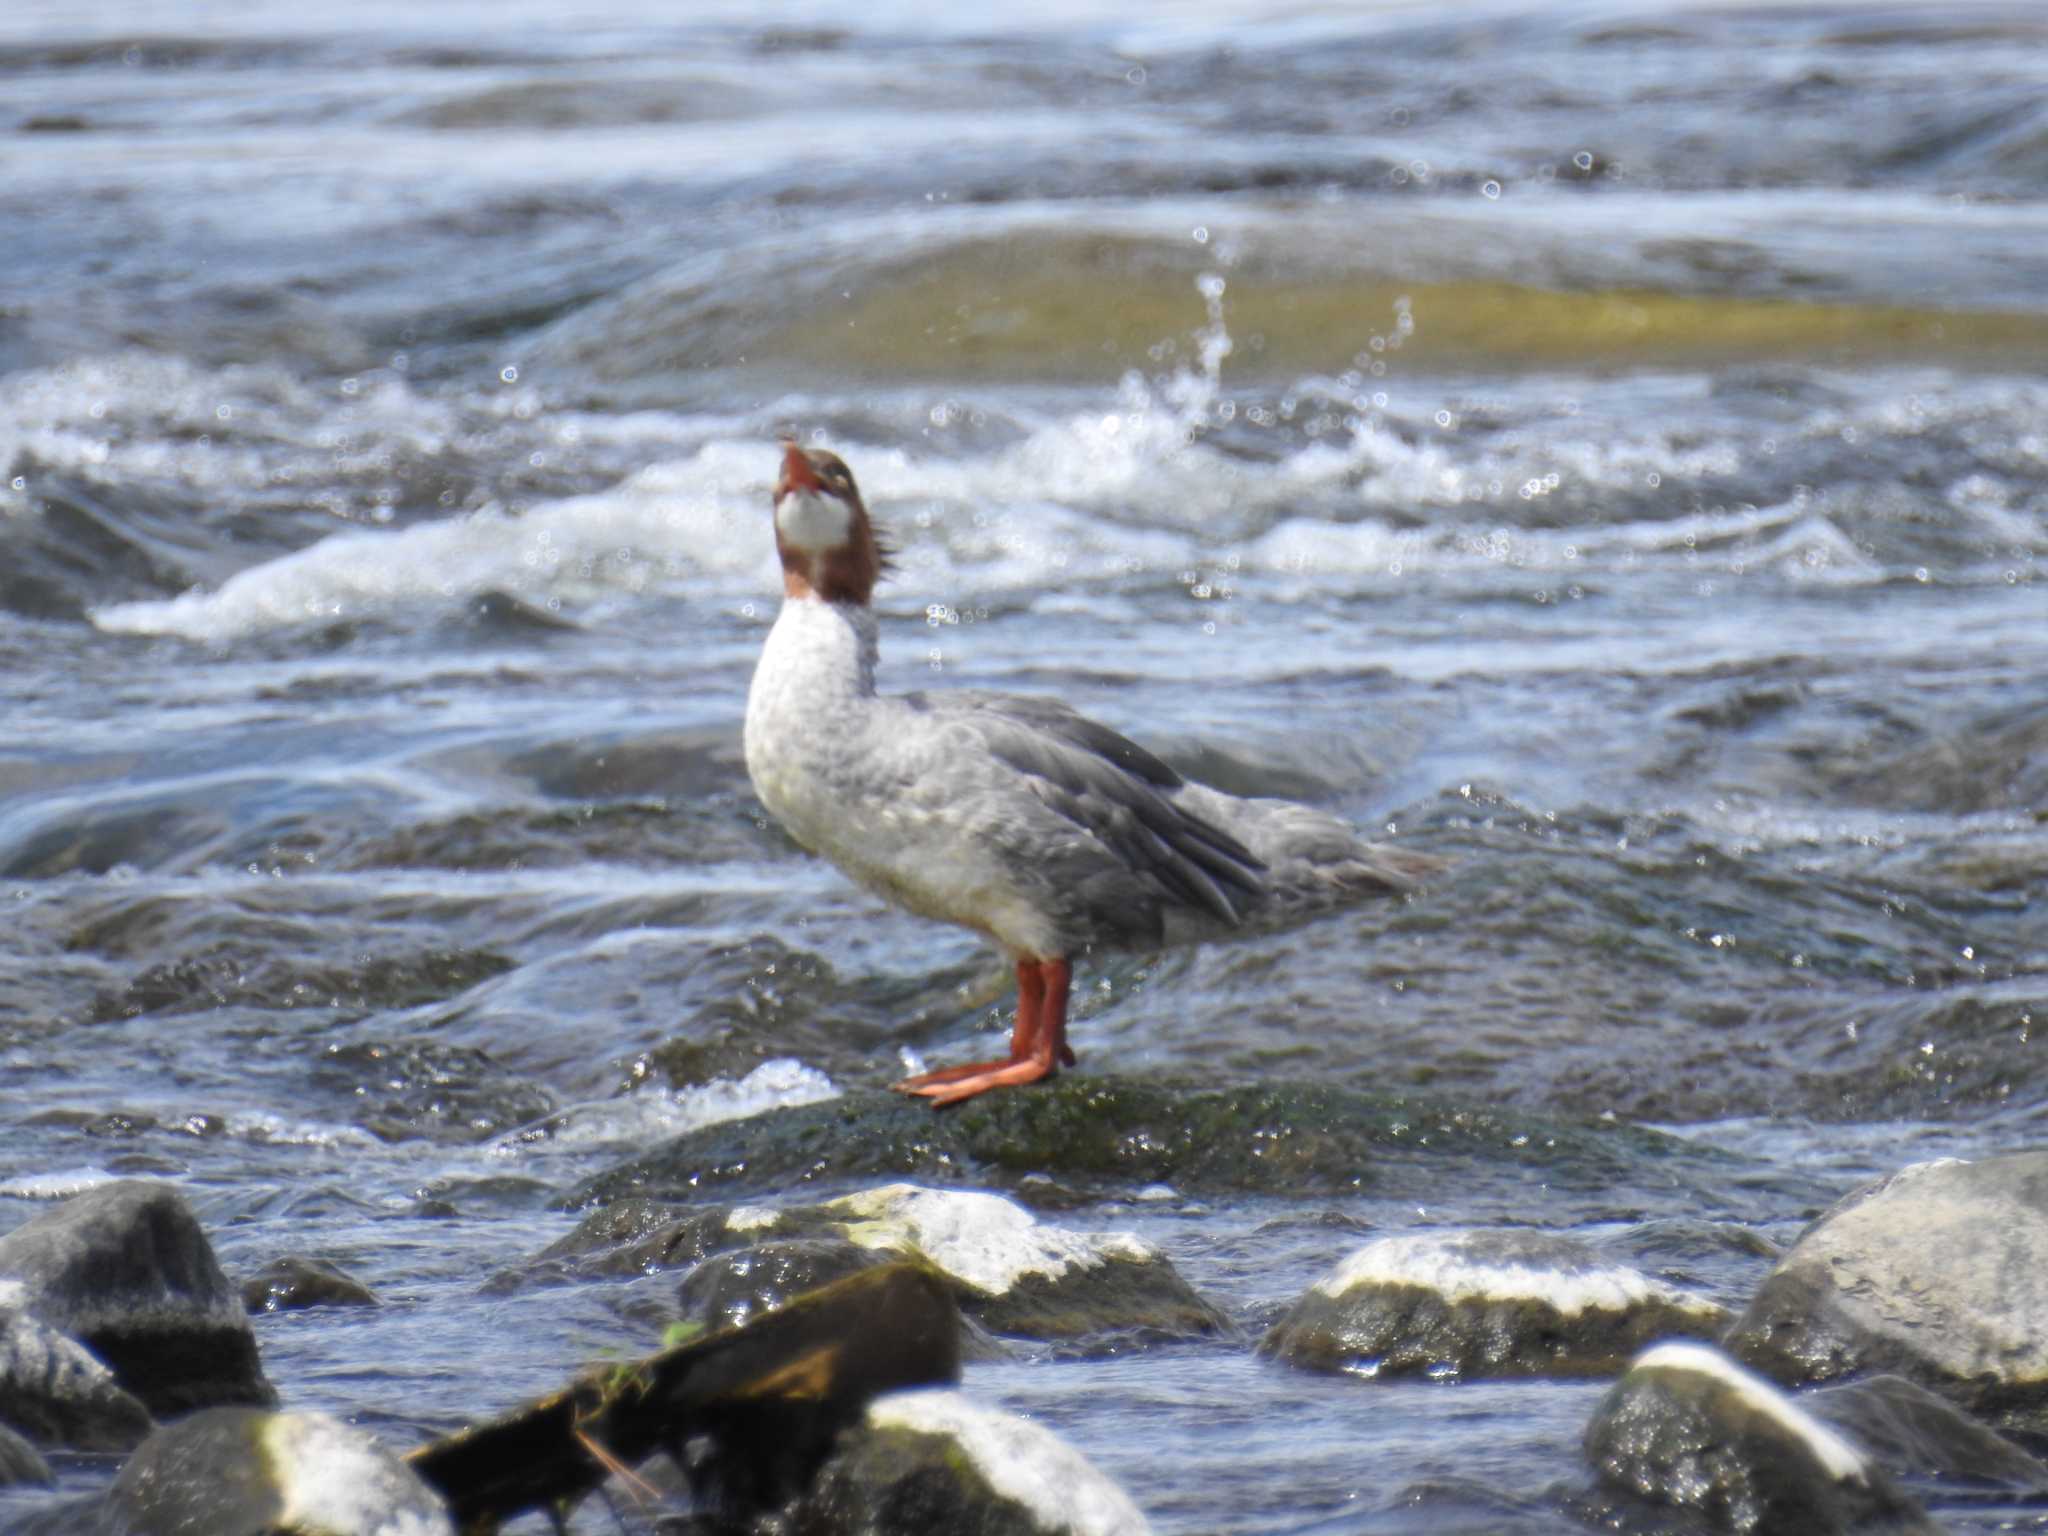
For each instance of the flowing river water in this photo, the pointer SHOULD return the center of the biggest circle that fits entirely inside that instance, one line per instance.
(1605, 445)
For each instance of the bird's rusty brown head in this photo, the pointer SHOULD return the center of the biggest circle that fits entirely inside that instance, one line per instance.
(829, 549)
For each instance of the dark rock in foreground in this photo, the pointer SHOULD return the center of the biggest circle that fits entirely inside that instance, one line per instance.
(1688, 1429)
(934, 1461)
(54, 1390)
(1477, 1304)
(248, 1472)
(1095, 1133)
(125, 1270)
(293, 1282)
(1938, 1274)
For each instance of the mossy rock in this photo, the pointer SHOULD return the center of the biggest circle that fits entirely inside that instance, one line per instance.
(1098, 1135)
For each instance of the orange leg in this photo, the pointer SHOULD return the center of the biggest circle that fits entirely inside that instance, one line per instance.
(1038, 1041)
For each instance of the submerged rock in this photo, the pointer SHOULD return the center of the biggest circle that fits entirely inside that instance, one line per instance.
(1687, 1428)
(249, 1472)
(125, 1270)
(56, 1392)
(292, 1282)
(1938, 1273)
(1918, 1434)
(1475, 1304)
(934, 1461)
(20, 1462)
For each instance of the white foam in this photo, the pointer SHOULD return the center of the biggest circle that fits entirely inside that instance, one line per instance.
(1838, 1458)
(59, 1184)
(666, 521)
(1448, 1264)
(1061, 1488)
(648, 1117)
(983, 1240)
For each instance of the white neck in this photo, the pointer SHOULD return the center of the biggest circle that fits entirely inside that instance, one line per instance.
(819, 658)
(813, 694)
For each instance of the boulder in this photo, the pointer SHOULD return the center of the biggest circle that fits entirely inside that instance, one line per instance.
(249, 1472)
(935, 1461)
(1938, 1273)
(1688, 1429)
(126, 1271)
(57, 1393)
(1485, 1303)
(292, 1282)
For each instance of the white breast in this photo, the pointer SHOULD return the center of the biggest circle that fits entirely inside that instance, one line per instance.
(850, 777)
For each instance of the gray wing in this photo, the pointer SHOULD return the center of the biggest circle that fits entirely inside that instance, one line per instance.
(1114, 790)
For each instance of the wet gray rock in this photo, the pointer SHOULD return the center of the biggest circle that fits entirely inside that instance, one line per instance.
(728, 1289)
(1478, 1304)
(935, 1461)
(641, 1237)
(1688, 1429)
(292, 1282)
(1938, 1273)
(1017, 1275)
(1917, 1434)
(248, 1472)
(20, 1462)
(56, 1392)
(126, 1271)
(1010, 1273)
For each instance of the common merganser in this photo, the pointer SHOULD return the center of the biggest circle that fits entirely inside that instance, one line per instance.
(1011, 815)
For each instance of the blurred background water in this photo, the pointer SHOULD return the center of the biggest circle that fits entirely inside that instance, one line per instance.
(1604, 443)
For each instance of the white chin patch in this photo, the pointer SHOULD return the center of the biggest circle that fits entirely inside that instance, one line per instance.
(813, 523)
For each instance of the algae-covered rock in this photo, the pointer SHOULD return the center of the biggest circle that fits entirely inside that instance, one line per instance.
(1476, 1304)
(934, 1461)
(1113, 1134)
(249, 1472)
(125, 1270)
(1688, 1429)
(1938, 1274)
